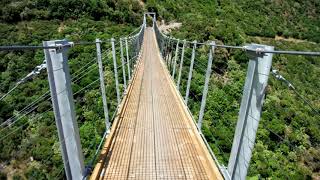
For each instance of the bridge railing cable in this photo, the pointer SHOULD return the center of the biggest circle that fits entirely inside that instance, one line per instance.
(76, 76)
(126, 52)
(39, 68)
(183, 62)
(129, 47)
(79, 74)
(257, 51)
(224, 129)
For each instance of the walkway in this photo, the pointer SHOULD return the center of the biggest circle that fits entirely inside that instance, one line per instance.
(153, 136)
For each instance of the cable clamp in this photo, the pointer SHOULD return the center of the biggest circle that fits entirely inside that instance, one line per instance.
(71, 44)
(259, 50)
(59, 47)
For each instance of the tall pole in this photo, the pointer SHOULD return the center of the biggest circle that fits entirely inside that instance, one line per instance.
(123, 66)
(128, 58)
(138, 46)
(250, 111)
(175, 59)
(162, 44)
(136, 41)
(170, 56)
(102, 86)
(190, 71)
(115, 68)
(63, 106)
(206, 85)
(181, 64)
(167, 52)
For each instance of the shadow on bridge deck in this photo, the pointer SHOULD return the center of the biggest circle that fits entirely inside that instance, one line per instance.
(153, 135)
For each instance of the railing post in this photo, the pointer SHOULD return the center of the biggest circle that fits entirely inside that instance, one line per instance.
(145, 20)
(190, 71)
(154, 21)
(138, 45)
(181, 65)
(123, 66)
(134, 44)
(170, 56)
(168, 52)
(250, 111)
(206, 85)
(102, 86)
(165, 49)
(115, 69)
(164, 54)
(141, 38)
(128, 58)
(63, 106)
(175, 59)
(162, 43)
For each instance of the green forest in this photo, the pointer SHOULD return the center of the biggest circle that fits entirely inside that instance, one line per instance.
(288, 138)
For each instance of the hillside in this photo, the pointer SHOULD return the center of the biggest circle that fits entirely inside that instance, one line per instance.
(288, 141)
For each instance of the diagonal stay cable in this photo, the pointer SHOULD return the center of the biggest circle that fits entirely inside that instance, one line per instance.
(20, 127)
(279, 77)
(83, 68)
(5, 95)
(45, 96)
(46, 112)
(50, 108)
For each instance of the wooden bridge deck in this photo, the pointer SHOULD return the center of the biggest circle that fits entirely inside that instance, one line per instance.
(153, 135)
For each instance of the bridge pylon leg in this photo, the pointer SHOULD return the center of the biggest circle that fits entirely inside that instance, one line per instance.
(63, 106)
(250, 111)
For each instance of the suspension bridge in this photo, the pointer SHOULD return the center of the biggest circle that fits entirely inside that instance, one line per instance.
(153, 134)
